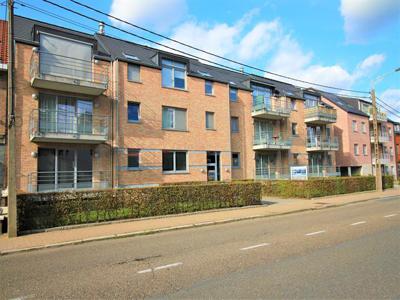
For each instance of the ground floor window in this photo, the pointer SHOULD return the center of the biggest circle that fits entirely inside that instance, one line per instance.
(133, 158)
(236, 160)
(174, 161)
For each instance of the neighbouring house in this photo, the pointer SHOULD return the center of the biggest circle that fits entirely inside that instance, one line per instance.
(396, 128)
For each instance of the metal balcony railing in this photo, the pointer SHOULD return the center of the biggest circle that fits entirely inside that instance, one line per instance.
(381, 116)
(383, 137)
(265, 106)
(267, 140)
(61, 124)
(68, 180)
(65, 73)
(320, 114)
(385, 159)
(273, 173)
(321, 143)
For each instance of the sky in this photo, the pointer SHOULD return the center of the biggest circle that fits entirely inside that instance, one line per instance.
(342, 43)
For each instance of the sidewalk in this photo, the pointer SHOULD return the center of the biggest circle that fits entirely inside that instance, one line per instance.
(57, 238)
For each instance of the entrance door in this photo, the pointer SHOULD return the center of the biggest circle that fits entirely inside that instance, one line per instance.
(213, 166)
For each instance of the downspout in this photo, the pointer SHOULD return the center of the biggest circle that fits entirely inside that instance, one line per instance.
(117, 123)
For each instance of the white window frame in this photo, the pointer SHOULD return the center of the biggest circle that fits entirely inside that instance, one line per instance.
(356, 150)
(213, 120)
(173, 109)
(127, 72)
(365, 150)
(354, 126)
(172, 68)
(212, 87)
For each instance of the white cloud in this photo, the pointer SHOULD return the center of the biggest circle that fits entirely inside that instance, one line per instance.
(363, 18)
(291, 60)
(392, 98)
(159, 15)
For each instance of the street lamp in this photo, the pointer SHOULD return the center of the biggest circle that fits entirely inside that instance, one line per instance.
(378, 170)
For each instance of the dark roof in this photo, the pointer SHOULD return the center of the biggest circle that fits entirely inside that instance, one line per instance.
(349, 105)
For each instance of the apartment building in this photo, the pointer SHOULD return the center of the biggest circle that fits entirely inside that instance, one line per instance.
(100, 112)
(396, 127)
(355, 132)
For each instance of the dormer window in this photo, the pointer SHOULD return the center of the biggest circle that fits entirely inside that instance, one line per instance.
(173, 74)
(311, 100)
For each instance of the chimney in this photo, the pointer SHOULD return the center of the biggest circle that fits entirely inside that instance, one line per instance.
(101, 28)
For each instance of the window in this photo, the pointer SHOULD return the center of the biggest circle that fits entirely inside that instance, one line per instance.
(233, 94)
(365, 150)
(293, 104)
(398, 148)
(173, 74)
(234, 124)
(209, 87)
(363, 127)
(133, 112)
(174, 161)
(311, 100)
(235, 160)
(174, 118)
(294, 129)
(390, 131)
(133, 72)
(355, 149)
(133, 158)
(209, 120)
(354, 125)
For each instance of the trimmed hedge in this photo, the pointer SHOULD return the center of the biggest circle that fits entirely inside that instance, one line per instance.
(322, 186)
(45, 210)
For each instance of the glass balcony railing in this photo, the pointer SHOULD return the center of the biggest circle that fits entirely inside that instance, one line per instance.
(320, 115)
(273, 173)
(319, 143)
(63, 73)
(383, 138)
(271, 107)
(266, 140)
(63, 126)
(381, 116)
(68, 180)
(385, 159)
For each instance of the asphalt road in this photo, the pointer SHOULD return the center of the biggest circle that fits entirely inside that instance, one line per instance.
(346, 252)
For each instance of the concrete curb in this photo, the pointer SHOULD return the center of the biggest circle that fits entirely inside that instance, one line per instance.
(173, 228)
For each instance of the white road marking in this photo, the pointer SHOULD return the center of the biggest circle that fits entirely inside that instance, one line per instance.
(160, 268)
(358, 223)
(389, 216)
(255, 246)
(316, 232)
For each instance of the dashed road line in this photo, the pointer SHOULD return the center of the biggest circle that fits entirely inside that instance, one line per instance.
(254, 246)
(389, 216)
(358, 223)
(160, 268)
(315, 233)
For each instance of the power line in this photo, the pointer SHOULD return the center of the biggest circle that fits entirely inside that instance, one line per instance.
(186, 53)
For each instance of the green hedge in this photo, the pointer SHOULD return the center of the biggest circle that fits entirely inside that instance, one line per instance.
(322, 186)
(45, 210)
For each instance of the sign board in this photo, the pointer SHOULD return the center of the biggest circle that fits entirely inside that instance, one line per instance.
(299, 173)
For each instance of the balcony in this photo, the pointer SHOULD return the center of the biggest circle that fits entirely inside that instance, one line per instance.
(397, 129)
(320, 115)
(68, 180)
(319, 143)
(272, 173)
(266, 141)
(67, 74)
(323, 171)
(271, 107)
(384, 160)
(68, 127)
(381, 116)
(382, 138)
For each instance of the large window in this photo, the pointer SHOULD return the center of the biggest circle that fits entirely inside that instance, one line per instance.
(133, 72)
(234, 124)
(133, 112)
(209, 120)
(173, 74)
(311, 100)
(233, 94)
(133, 158)
(235, 160)
(174, 161)
(174, 118)
(209, 87)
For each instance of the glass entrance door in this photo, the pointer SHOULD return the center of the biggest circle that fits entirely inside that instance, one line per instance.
(213, 166)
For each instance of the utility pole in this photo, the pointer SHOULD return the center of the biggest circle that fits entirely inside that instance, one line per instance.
(378, 171)
(11, 184)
